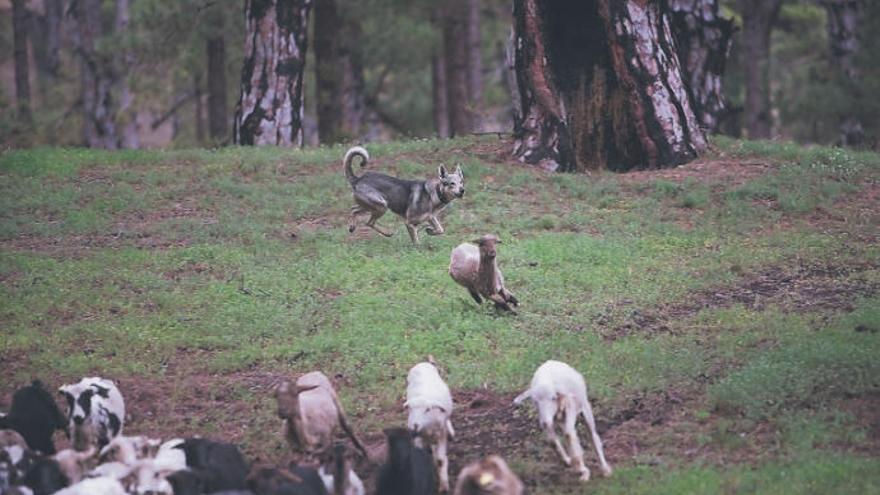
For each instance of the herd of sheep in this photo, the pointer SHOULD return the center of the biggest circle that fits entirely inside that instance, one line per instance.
(103, 461)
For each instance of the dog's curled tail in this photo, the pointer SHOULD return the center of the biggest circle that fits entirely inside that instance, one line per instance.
(349, 158)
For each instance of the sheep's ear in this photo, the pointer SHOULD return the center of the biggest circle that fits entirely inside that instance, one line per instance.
(442, 172)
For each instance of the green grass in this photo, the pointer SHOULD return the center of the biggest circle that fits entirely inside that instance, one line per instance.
(174, 265)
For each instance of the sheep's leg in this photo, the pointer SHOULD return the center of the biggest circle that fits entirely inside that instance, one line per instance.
(476, 296)
(435, 228)
(550, 433)
(597, 442)
(413, 233)
(509, 297)
(574, 443)
(500, 303)
(442, 462)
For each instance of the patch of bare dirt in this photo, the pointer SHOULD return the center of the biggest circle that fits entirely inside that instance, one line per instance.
(801, 288)
(865, 409)
(705, 171)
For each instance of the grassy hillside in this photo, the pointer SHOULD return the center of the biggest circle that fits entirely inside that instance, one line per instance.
(725, 313)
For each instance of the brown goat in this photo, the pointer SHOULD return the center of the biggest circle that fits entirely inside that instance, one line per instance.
(476, 269)
(488, 476)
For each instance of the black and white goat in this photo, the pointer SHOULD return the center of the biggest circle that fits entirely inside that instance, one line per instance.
(95, 412)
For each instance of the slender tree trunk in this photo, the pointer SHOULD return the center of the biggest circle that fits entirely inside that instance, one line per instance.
(758, 18)
(200, 121)
(439, 92)
(703, 39)
(475, 62)
(99, 128)
(218, 118)
(843, 20)
(328, 70)
(125, 59)
(270, 110)
(22, 70)
(455, 50)
(54, 11)
(356, 112)
(617, 103)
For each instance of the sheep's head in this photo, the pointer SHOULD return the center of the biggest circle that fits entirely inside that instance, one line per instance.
(487, 245)
(287, 395)
(451, 184)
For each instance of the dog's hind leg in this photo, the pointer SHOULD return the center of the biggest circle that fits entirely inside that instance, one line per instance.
(352, 220)
(371, 223)
(413, 233)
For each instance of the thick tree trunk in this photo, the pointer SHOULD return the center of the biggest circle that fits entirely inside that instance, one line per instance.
(843, 20)
(758, 18)
(702, 38)
(328, 70)
(99, 128)
(54, 11)
(475, 62)
(22, 69)
(218, 118)
(455, 51)
(600, 87)
(270, 109)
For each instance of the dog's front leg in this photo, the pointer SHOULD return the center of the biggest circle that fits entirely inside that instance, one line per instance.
(435, 228)
(413, 233)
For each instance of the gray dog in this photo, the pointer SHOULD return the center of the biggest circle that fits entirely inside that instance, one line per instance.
(416, 201)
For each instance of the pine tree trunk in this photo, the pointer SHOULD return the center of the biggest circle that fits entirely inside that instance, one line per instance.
(218, 118)
(22, 69)
(843, 20)
(328, 70)
(270, 109)
(99, 128)
(455, 50)
(703, 39)
(127, 113)
(439, 92)
(54, 11)
(475, 62)
(600, 87)
(758, 18)
(358, 119)
(199, 116)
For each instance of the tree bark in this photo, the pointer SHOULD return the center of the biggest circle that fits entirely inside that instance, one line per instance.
(218, 118)
(22, 69)
(270, 109)
(475, 62)
(328, 70)
(199, 117)
(600, 87)
(54, 11)
(439, 93)
(703, 39)
(127, 113)
(455, 51)
(758, 17)
(843, 19)
(99, 128)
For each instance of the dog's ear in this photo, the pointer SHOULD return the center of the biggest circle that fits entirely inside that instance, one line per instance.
(442, 172)
(458, 171)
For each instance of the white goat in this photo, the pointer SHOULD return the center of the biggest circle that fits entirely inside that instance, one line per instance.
(560, 393)
(95, 486)
(476, 269)
(430, 407)
(311, 411)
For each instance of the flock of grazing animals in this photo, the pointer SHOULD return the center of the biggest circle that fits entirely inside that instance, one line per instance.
(103, 461)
